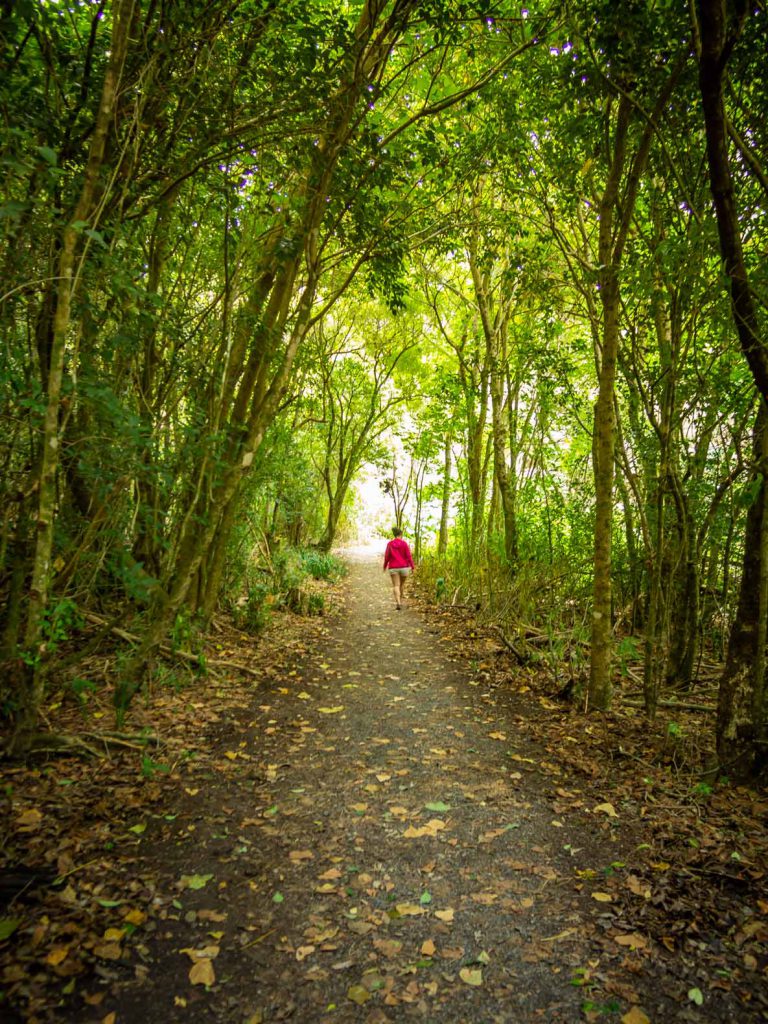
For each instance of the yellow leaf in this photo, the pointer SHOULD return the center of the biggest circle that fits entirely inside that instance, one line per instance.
(445, 915)
(114, 934)
(108, 951)
(360, 808)
(135, 917)
(633, 940)
(298, 855)
(497, 735)
(206, 953)
(303, 952)
(331, 711)
(57, 955)
(608, 809)
(29, 820)
(430, 829)
(231, 754)
(471, 976)
(383, 777)
(358, 994)
(202, 973)
(602, 897)
(110, 1018)
(638, 887)
(635, 1016)
(409, 909)
(428, 948)
(331, 873)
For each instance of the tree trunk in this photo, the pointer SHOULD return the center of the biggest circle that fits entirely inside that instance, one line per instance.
(741, 703)
(31, 695)
(442, 543)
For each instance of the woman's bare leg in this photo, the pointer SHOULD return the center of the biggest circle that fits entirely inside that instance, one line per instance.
(395, 577)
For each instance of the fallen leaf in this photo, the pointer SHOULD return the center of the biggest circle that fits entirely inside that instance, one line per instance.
(409, 909)
(206, 953)
(445, 915)
(389, 947)
(135, 917)
(608, 809)
(57, 955)
(602, 897)
(497, 735)
(29, 821)
(211, 915)
(428, 948)
(331, 711)
(438, 805)
(299, 855)
(194, 881)
(638, 887)
(108, 951)
(430, 829)
(202, 973)
(358, 994)
(8, 926)
(635, 1016)
(633, 940)
(471, 976)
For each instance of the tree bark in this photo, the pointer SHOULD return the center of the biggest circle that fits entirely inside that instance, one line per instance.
(741, 725)
(442, 543)
(30, 699)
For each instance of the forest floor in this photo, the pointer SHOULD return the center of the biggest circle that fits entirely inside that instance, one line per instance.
(391, 823)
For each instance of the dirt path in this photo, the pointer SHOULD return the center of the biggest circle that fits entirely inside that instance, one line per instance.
(380, 842)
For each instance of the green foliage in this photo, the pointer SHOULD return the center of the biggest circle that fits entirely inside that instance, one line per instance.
(321, 565)
(252, 613)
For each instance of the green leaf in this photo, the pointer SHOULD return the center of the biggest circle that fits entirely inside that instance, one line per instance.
(437, 805)
(138, 829)
(696, 996)
(278, 898)
(425, 898)
(8, 926)
(48, 154)
(195, 881)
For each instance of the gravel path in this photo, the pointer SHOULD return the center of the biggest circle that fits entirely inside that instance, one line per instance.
(376, 840)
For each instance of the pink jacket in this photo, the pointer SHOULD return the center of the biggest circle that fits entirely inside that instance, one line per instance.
(398, 555)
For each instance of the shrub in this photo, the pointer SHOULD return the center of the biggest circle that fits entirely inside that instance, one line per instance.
(322, 566)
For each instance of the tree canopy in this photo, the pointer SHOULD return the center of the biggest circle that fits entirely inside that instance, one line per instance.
(511, 256)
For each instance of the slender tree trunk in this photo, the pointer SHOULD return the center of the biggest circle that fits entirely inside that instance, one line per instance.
(442, 543)
(741, 707)
(741, 722)
(611, 245)
(30, 699)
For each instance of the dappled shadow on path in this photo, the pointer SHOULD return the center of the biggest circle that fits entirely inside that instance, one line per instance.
(380, 843)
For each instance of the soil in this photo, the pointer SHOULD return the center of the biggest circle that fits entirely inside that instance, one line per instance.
(393, 823)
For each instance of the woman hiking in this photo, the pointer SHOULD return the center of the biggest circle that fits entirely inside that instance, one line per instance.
(399, 561)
